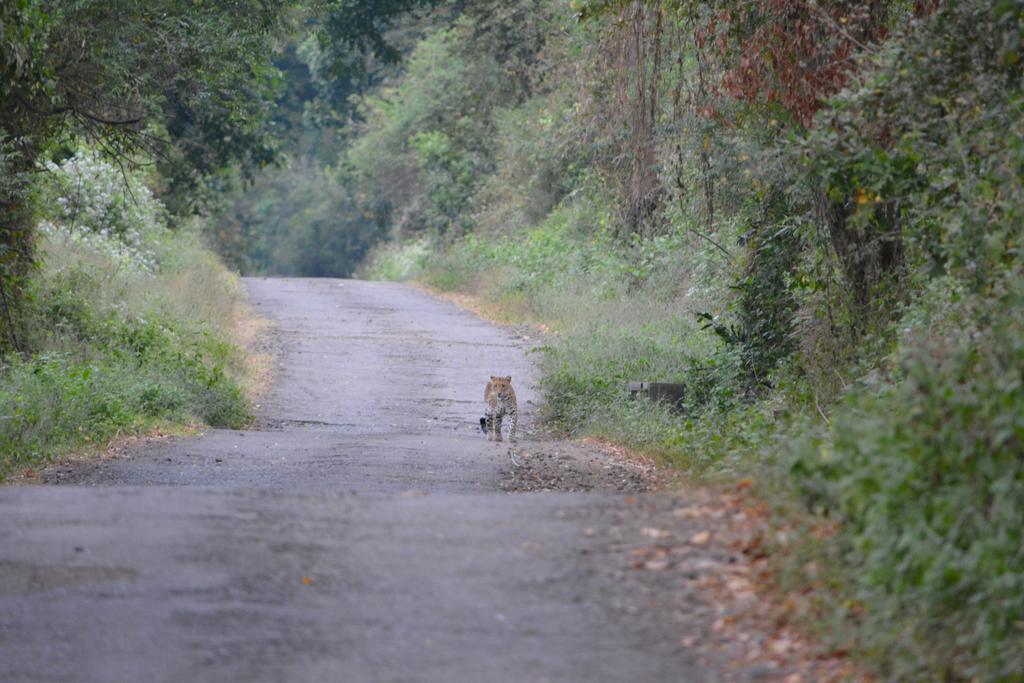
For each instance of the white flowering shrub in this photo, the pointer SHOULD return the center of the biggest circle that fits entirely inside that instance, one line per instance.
(95, 204)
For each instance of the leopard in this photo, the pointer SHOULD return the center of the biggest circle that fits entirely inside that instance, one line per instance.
(500, 400)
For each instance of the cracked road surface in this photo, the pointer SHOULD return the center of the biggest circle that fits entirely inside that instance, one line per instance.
(361, 533)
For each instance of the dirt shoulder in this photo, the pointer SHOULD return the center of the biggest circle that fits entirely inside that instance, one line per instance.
(549, 463)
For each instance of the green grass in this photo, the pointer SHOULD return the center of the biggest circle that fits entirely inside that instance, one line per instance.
(926, 476)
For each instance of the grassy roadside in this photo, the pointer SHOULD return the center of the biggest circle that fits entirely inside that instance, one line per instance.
(616, 315)
(130, 326)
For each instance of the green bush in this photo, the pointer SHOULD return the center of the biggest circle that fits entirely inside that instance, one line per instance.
(396, 262)
(128, 326)
(927, 477)
(584, 378)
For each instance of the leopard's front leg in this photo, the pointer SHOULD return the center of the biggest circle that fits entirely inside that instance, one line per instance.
(497, 427)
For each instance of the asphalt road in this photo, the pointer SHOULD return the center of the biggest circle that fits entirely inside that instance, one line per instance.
(362, 533)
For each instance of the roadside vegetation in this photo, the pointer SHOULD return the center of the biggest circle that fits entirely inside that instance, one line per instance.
(131, 324)
(125, 127)
(808, 213)
(120, 125)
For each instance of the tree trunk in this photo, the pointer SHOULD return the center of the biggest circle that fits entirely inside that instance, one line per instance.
(867, 255)
(17, 251)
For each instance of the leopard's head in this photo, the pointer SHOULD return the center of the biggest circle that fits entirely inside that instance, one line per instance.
(502, 385)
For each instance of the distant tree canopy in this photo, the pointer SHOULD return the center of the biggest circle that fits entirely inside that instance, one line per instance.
(311, 215)
(349, 45)
(189, 84)
(355, 28)
(180, 81)
(131, 77)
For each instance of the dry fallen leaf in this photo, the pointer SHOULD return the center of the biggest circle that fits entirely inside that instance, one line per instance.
(306, 581)
(740, 588)
(688, 512)
(700, 538)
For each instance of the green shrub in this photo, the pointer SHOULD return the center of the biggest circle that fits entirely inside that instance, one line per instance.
(128, 326)
(396, 262)
(121, 376)
(584, 378)
(764, 331)
(927, 477)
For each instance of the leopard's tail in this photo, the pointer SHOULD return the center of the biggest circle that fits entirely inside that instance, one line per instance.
(483, 425)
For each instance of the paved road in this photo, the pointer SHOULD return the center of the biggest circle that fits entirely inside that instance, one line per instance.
(360, 535)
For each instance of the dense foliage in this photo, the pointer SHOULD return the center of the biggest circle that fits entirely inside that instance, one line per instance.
(385, 145)
(174, 82)
(129, 322)
(809, 214)
(926, 476)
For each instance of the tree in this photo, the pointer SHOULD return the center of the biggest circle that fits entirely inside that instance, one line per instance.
(182, 81)
(352, 45)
